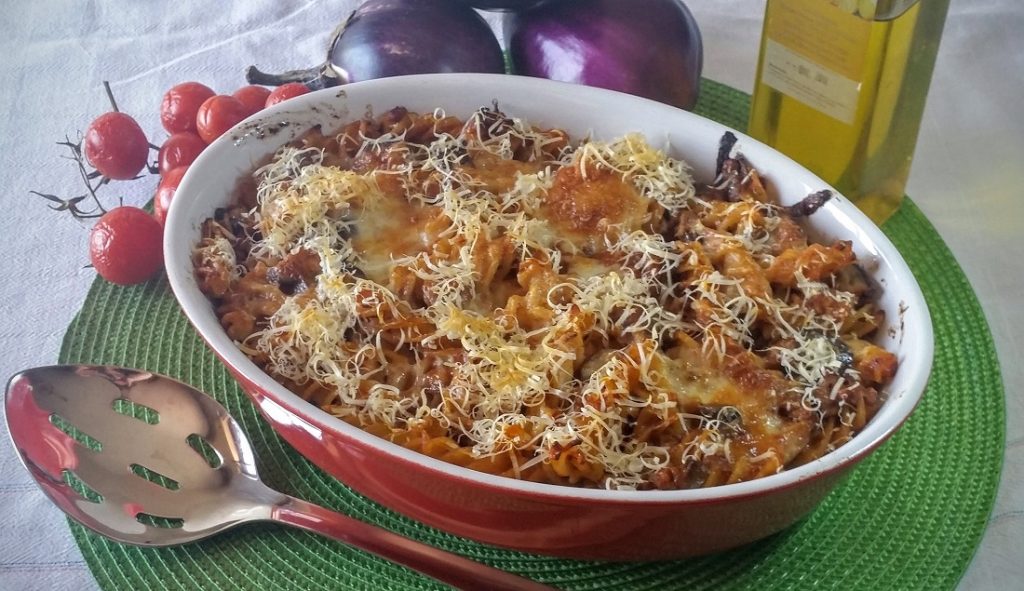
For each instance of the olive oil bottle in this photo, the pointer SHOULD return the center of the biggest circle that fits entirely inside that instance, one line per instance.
(841, 88)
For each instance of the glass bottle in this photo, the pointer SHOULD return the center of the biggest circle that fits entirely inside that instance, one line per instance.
(841, 87)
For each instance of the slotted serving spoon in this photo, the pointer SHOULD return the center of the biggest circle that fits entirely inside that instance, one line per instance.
(144, 459)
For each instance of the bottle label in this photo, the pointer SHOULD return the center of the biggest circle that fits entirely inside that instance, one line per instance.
(815, 53)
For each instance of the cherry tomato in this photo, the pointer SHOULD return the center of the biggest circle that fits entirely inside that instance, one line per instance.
(253, 97)
(181, 149)
(116, 146)
(125, 246)
(180, 105)
(285, 92)
(165, 192)
(217, 115)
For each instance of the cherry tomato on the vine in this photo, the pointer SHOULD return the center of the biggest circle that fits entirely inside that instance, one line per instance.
(253, 97)
(126, 246)
(165, 192)
(116, 146)
(217, 115)
(180, 105)
(285, 92)
(181, 149)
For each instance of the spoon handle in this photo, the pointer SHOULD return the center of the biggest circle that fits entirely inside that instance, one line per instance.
(446, 567)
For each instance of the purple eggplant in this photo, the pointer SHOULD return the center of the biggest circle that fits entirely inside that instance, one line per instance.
(385, 38)
(650, 48)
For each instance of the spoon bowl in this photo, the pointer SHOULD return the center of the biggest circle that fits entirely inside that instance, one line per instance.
(147, 460)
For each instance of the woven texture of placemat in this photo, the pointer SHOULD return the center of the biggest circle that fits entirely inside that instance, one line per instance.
(910, 516)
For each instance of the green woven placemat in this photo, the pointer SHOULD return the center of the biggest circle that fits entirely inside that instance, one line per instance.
(910, 516)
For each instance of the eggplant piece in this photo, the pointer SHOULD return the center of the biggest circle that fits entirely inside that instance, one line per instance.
(843, 354)
(809, 204)
(854, 279)
(733, 174)
(725, 146)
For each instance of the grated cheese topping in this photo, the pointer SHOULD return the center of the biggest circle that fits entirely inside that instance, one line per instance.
(654, 174)
(513, 341)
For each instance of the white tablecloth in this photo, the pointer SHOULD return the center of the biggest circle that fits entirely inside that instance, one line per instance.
(968, 178)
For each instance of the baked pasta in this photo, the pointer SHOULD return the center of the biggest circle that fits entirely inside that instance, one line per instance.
(504, 298)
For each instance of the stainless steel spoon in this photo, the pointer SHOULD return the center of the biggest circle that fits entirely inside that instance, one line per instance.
(164, 464)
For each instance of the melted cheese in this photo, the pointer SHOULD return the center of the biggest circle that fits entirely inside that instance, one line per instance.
(582, 222)
(654, 174)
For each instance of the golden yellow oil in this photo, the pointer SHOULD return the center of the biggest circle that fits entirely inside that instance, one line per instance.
(880, 71)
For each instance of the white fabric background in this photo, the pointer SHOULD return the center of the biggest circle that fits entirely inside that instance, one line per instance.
(54, 54)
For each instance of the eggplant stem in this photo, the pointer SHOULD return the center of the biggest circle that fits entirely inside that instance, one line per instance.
(317, 77)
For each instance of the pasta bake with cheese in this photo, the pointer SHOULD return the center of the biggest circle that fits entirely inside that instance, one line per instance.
(508, 299)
